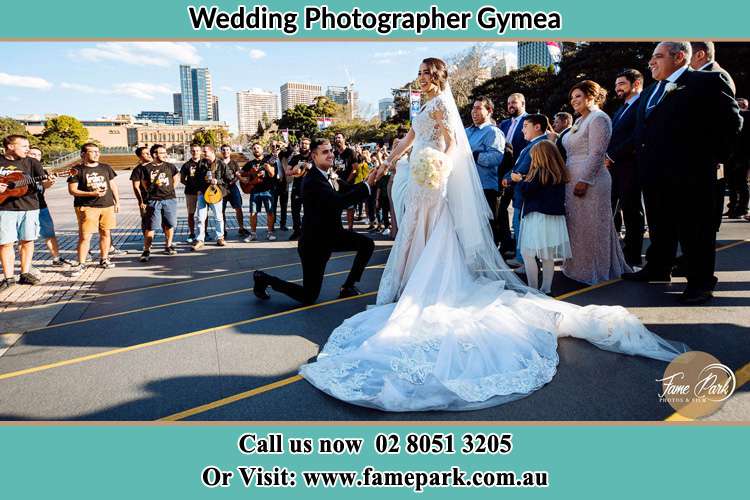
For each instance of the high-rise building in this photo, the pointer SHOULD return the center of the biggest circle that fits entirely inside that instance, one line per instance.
(163, 117)
(345, 96)
(293, 93)
(177, 103)
(215, 108)
(541, 53)
(386, 109)
(197, 94)
(251, 105)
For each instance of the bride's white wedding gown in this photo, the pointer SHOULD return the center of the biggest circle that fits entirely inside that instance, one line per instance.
(442, 336)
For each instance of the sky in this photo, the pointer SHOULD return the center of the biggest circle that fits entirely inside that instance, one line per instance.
(102, 79)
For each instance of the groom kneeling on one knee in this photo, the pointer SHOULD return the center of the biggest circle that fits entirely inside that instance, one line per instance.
(322, 231)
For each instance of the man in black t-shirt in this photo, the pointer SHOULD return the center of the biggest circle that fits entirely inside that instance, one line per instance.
(343, 163)
(19, 215)
(189, 178)
(234, 195)
(211, 172)
(158, 178)
(262, 196)
(144, 158)
(96, 201)
(297, 166)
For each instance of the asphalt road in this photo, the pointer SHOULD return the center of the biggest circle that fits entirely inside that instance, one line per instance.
(183, 338)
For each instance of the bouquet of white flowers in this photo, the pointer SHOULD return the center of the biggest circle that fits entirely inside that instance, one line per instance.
(430, 167)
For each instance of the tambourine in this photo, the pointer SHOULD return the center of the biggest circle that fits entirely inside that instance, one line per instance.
(212, 195)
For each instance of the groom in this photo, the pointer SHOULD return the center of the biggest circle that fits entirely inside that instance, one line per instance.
(322, 232)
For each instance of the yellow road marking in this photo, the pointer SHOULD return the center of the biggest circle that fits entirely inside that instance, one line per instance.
(231, 399)
(253, 392)
(170, 304)
(742, 377)
(95, 295)
(165, 340)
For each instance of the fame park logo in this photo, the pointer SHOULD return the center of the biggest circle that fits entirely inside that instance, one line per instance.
(696, 384)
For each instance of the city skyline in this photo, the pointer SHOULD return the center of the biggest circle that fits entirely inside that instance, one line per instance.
(94, 80)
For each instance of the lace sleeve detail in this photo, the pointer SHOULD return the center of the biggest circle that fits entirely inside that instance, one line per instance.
(439, 117)
(599, 131)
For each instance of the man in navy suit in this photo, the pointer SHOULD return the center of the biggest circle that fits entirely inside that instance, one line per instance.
(621, 161)
(677, 164)
(512, 129)
(535, 129)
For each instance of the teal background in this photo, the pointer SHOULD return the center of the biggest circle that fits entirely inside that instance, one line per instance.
(612, 462)
(139, 19)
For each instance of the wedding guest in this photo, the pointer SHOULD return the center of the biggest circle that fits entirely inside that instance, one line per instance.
(704, 59)
(19, 215)
(597, 255)
(512, 129)
(141, 196)
(487, 144)
(46, 224)
(189, 178)
(561, 125)
(621, 162)
(96, 201)
(679, 179)
(211, 172)
(263, 167)
(535, 129)
(283, 184)
(344, 160)
(159, 178)
(296, 170)
(234, 195)
(544, 234)
(738, 169)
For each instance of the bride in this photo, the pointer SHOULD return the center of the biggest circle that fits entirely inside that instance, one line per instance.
(453, 328)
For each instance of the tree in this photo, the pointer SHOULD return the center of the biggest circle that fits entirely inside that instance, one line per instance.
(65, 132)
(261, 129)
(9, 126)
(213, 136)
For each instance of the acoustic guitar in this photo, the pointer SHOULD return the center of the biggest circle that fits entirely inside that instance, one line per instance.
(249, 179)
(18, 182)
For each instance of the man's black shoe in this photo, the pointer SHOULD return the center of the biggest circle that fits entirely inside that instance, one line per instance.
(695, 297)
(679, 271)
(260, 284)
(294, 236)
(646, 275)
(28, 279)
(349, 291)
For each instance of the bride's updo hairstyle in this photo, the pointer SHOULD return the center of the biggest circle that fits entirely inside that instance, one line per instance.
(438, 71)
(592, 90)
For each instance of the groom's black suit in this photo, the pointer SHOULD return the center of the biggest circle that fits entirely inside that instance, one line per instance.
(677, 165)
(322, 234)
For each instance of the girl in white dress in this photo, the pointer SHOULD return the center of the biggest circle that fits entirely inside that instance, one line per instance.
(544, 235)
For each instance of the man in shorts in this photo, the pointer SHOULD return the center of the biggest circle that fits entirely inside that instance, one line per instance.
(19, 215)
(158, 178)
(96, 201)
(189, 178)
(262, 196)
(46, 225)
(234, 195)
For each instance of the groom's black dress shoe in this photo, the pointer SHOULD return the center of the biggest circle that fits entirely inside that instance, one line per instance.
(694, 296)
(349, 291)
(260, 284)
(646, 275)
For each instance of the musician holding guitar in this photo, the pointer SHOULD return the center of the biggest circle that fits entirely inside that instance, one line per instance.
(260, 174)
(19, 208)
(213, 182)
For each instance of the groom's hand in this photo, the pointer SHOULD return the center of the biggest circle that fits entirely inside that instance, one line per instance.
(373, 177)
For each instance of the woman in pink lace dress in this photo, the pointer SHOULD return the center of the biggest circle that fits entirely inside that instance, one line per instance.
(597, 255)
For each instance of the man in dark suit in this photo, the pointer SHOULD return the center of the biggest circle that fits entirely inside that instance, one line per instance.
(704, 59)
(677, 165)
(512, 129)
(322, 232)
(621, 161)
(561, 124)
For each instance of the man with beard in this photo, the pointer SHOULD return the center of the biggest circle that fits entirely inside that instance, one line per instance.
(621, 162)
(296, 169)
(261, 167)
(189, 178)
(234, 195)
(343, 164)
